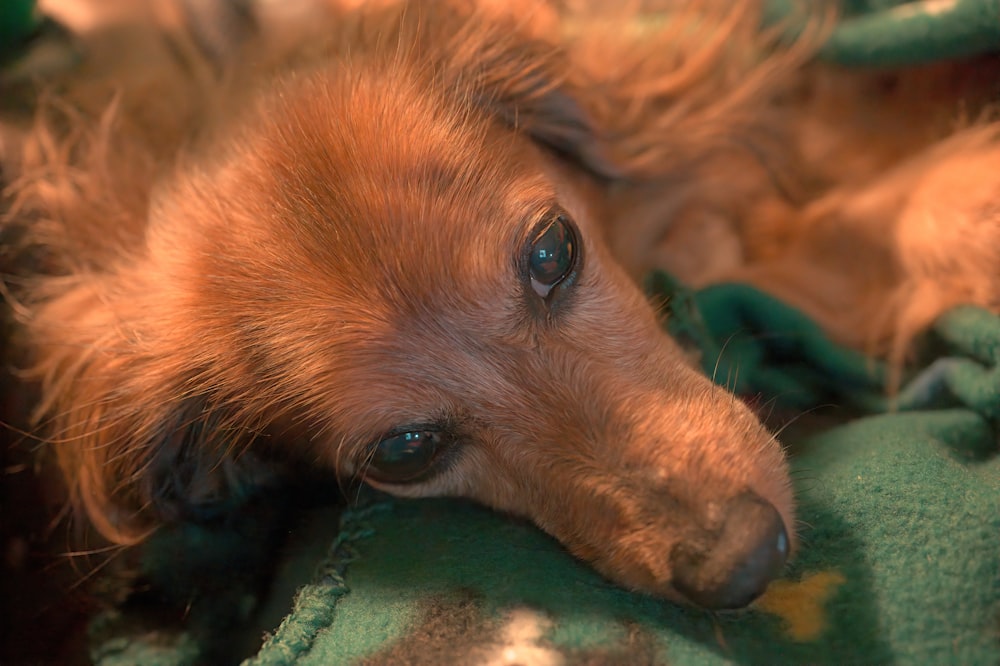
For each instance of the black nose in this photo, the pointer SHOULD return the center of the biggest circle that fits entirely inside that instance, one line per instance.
(733, 570)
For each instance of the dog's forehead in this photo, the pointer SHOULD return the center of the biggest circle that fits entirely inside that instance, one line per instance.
(388, 188)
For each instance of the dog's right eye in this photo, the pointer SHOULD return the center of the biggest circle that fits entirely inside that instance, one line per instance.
(404, 457)
(552, 254)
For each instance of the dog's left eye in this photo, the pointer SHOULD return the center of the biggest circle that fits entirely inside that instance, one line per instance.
(404, 457)
(552, 255)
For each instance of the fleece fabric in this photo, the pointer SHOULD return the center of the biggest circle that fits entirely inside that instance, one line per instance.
(899, 565)
(893, 33)
(17, 21)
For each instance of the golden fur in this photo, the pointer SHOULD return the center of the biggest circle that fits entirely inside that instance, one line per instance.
(295, 248)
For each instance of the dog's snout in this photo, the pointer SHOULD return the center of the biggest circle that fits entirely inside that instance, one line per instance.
(736, 567)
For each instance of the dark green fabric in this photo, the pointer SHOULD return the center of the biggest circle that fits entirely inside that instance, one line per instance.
(905, 508)
(18, 21)
(754, 344)
(893, 33)
(968, 374)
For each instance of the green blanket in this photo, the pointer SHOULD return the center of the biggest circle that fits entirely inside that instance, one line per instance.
(890, 33)
(899, 564)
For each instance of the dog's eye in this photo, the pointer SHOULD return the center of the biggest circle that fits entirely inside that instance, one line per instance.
(552, 255)
(405, 456)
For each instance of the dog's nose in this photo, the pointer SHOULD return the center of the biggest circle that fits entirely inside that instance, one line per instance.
(733, 570)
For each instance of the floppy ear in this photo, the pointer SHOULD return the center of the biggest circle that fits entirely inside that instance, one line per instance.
(199, 465)
(633, 92)
(504, 66)
(135, 447)
(135, 443)
(133, 465)
(555, 118)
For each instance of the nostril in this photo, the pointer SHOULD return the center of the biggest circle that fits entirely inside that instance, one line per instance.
(749, 552)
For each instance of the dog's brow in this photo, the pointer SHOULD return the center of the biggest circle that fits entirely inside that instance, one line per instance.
(434, 176)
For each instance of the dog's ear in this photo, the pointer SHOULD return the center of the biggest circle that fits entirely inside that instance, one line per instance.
(506, 68)
(135, 446)
(133, 465)
(138, 439)
(556, 118)
(199, 466)
(633, 91)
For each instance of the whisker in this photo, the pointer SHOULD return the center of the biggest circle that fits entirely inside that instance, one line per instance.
(722, 350)
(805, 412)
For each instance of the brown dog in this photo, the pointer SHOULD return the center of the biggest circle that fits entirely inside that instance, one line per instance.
(399, 245)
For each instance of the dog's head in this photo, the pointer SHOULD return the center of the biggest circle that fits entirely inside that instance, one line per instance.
(390, 271)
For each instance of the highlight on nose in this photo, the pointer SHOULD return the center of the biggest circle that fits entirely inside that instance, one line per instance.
(749, 552)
